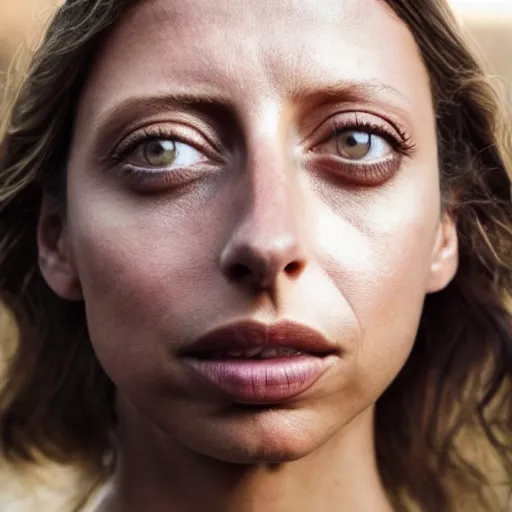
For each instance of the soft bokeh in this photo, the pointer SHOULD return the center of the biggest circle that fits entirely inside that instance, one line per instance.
(21, 23)
(489, 23)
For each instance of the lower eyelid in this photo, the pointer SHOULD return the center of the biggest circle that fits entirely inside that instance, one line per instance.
(195, 168)
(149, 180)
(356, 172)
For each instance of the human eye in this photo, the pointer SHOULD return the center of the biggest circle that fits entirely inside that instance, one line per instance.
(361, 149)
(361, 145)
(167, 154)
(163, 156)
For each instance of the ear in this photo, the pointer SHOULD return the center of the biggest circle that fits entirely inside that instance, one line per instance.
(445, 257)
(55, 255)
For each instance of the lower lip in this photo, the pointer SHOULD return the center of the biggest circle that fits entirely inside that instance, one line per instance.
(260, 381)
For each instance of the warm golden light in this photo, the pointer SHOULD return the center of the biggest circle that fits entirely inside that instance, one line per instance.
(485, 8)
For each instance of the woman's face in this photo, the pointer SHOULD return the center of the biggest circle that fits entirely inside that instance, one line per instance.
(259, 161)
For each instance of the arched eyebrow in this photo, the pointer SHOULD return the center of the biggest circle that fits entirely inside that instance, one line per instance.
(354, 91)
(196, 100)
(203, 100)
(213, 102)
(114, 118)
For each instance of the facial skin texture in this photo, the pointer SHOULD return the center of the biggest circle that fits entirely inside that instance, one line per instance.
(322, 244)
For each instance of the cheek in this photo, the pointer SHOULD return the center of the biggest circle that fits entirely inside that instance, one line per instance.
(377, 249)
(151, 280)
(146, 273)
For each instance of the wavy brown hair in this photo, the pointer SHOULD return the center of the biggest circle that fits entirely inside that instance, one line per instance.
(57, 403)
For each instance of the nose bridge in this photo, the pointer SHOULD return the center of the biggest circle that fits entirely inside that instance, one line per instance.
(272, 174)
(266, 240)
(272, 210)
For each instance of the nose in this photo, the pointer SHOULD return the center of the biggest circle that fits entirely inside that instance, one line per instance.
(267, 242)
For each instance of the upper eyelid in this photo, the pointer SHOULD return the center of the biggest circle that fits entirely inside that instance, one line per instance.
(365, 120)
(337, 121)
(358, 121)
(399, 141)
(160, 131)
(391, 138)
(134, 139)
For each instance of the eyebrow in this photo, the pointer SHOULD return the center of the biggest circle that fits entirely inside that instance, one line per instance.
(371, 91)
(114, 118)
(345, 90)
(198, 100)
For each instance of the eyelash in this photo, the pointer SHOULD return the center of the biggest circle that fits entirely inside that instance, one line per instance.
(368, 173)
(148, 134)
(147, 179)
(400, 143)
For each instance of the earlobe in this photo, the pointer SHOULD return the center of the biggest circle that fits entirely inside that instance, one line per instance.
(56, 260)
(445, 257)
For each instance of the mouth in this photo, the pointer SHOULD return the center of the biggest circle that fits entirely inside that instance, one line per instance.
(255, 353)
(253, 363)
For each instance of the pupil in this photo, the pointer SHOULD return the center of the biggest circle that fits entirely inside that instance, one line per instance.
(160, 152)
(355, 145)
(352, 141)
(158, 148)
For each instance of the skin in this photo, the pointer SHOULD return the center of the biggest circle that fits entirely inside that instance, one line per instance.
(320, 243)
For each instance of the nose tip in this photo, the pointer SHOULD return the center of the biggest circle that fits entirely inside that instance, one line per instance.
(267, 234)
(259, 265)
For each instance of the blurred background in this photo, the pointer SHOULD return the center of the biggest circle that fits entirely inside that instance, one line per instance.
(488, 24)
(488, 21)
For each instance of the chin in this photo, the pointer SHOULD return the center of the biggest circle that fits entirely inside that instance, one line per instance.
(266, 436)
(254, 451)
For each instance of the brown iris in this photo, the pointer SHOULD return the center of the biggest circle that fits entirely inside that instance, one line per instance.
(160, 153)
(354, 145)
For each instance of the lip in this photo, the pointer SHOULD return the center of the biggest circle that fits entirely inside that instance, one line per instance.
(260, 381)
(250, 334)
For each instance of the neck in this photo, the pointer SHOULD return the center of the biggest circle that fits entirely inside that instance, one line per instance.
(158, 474)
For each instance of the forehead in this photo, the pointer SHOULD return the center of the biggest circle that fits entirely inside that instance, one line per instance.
(256, 47)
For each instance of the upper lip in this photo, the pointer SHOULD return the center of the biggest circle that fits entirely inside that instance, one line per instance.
(250, 334)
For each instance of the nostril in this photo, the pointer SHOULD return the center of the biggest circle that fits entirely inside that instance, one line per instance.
(239, 271)
(293, 268)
